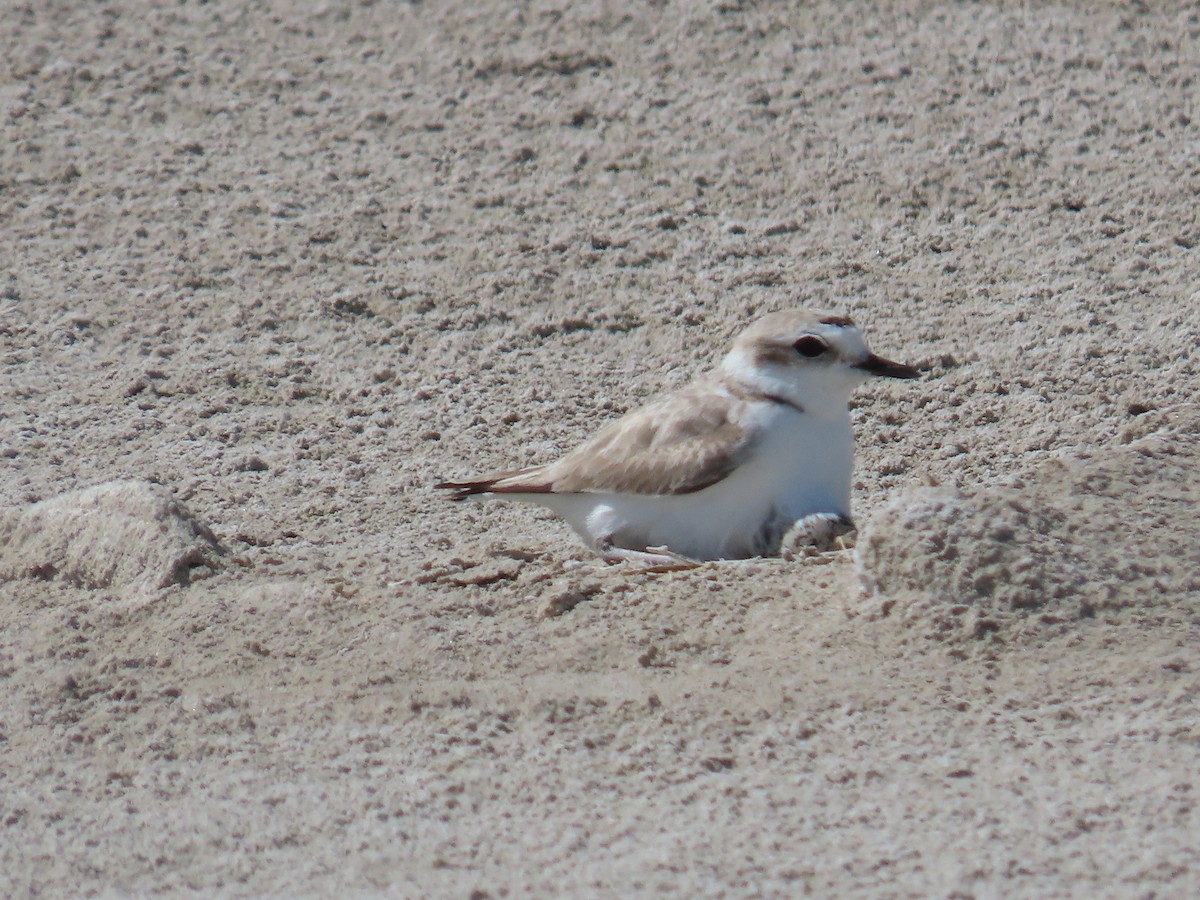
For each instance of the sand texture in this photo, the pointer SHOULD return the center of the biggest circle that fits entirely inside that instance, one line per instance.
(270, 270)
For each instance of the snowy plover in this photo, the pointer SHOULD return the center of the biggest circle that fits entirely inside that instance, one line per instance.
(724, 467)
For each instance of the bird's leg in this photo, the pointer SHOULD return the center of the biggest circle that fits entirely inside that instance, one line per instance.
(652, 559)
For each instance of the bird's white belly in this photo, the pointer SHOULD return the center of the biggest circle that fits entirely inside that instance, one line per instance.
(802, 467)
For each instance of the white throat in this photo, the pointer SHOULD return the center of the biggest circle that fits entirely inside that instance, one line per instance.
(824, 394)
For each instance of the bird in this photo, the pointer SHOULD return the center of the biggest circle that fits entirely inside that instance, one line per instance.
(724, 467)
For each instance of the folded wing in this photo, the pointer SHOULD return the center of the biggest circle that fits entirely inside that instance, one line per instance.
(677, 445)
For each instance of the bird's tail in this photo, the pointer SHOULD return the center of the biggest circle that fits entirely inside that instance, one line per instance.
(518, 481)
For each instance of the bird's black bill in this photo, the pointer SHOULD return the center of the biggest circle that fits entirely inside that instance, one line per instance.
(877, 365)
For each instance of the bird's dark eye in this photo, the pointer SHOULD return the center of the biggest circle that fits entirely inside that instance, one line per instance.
(810, 347)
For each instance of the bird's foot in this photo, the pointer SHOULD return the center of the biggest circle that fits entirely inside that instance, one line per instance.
(651, 559)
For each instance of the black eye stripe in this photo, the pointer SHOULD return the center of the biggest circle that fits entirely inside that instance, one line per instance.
(810, 346)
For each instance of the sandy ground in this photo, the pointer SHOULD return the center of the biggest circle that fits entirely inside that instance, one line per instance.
(272, 269)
